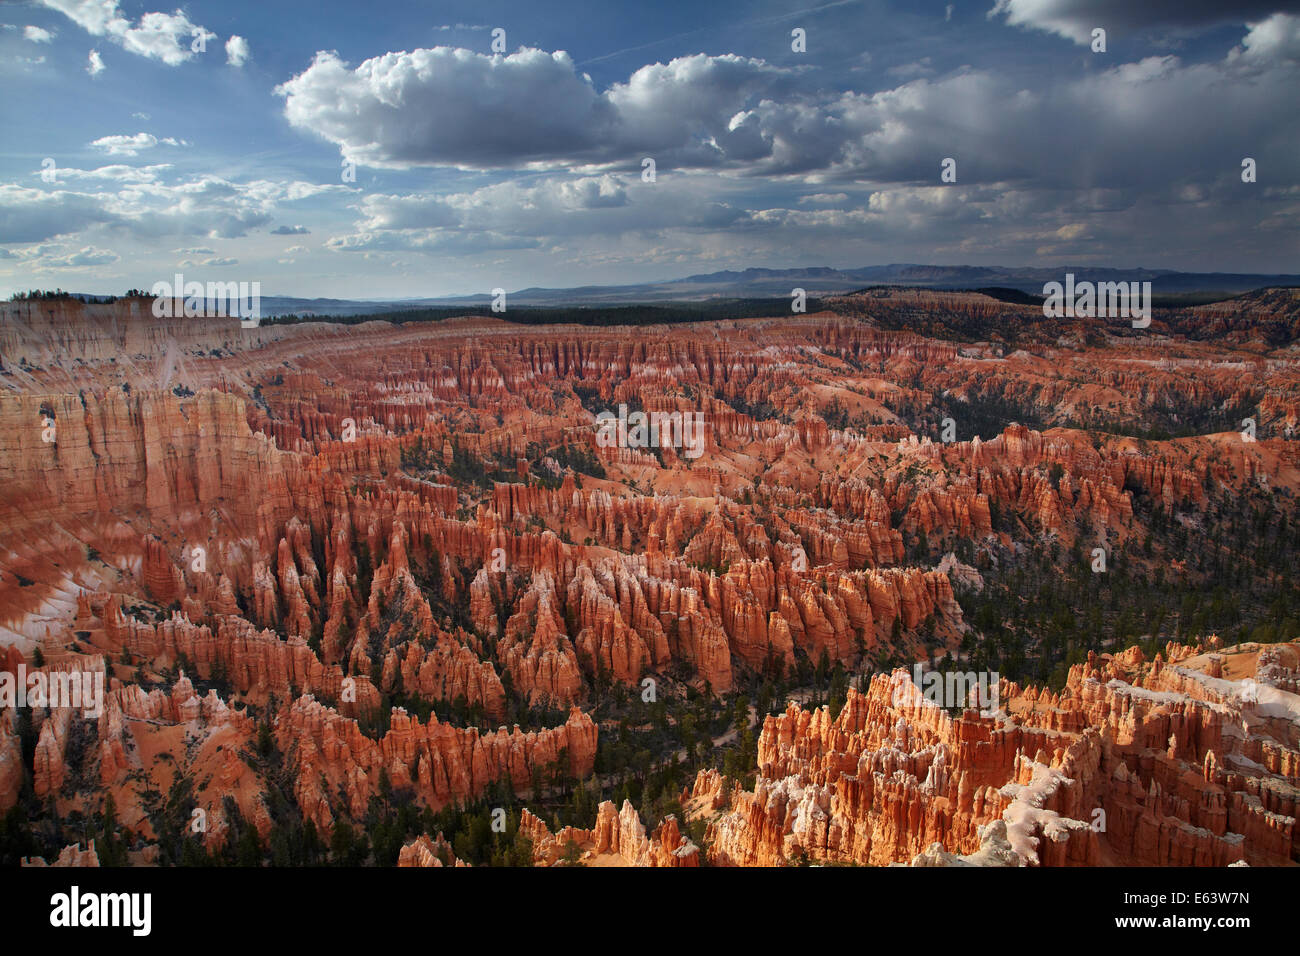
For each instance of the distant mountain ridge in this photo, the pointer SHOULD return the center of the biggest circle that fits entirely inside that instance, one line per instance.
(814, 280)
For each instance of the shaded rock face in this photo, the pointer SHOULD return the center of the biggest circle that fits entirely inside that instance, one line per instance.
(438, 763)
(394, 547)
(1133, 763)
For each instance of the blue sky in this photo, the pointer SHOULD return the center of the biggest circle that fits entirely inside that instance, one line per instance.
(129, 155)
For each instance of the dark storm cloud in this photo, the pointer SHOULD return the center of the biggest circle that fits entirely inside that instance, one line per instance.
(1075, 19)
(1123, 126)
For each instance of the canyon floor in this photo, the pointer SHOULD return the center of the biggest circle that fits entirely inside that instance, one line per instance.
(379, 593)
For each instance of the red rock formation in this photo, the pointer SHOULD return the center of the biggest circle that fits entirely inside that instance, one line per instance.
(618, 837)
(459, 546)
(11, 761)
(439, 763)
(423, 851)
(71, 855)
(1130, 769)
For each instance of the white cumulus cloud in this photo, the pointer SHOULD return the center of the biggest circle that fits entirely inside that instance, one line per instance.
(454, 107)
(122, 145)
(237, 51)
(169, 37)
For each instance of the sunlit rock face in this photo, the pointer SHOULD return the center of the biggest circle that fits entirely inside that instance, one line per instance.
(1132, 763)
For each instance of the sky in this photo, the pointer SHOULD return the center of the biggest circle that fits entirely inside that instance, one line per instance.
(402, 149)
